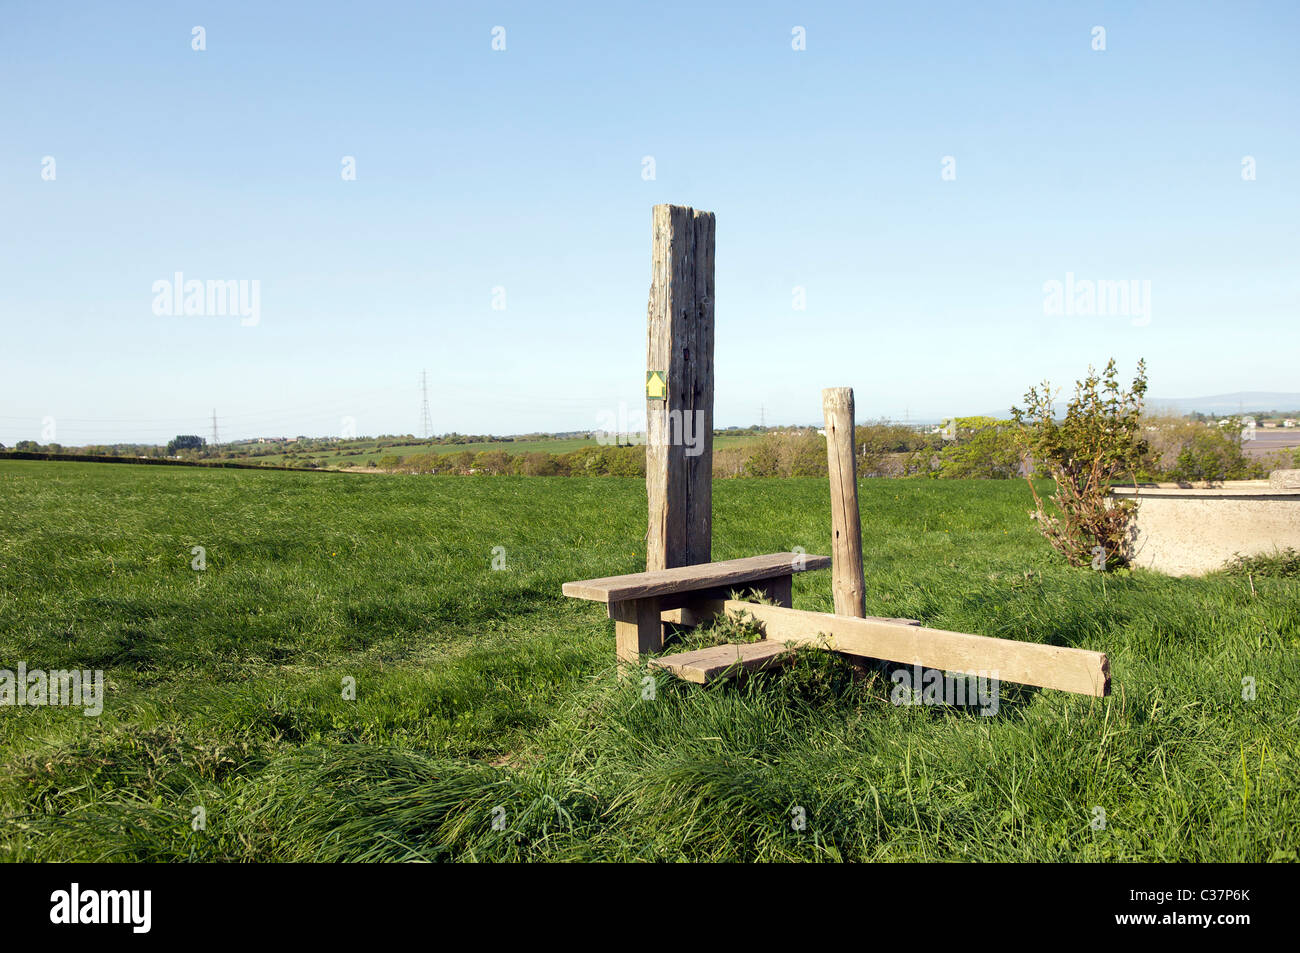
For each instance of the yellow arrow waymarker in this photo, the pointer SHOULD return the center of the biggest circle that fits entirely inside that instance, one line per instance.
(656, 385)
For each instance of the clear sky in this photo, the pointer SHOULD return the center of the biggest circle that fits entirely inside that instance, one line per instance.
(523, 169)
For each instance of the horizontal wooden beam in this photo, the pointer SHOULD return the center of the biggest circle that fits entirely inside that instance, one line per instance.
(722, 661)
(660, 582)
(1029, 663)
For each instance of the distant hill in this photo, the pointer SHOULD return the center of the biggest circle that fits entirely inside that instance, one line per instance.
(1253, 401)
(1221, 405)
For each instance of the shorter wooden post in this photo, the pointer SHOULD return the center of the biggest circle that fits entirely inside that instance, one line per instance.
(847, 584)
(637, 628)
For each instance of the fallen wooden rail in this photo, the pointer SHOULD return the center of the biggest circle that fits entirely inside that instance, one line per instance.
(1029, 663)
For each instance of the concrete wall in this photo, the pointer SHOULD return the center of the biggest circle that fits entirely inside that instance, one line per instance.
(1186, 532)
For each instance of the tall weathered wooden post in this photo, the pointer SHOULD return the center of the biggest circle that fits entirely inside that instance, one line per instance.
(847, 585)
(679, 389)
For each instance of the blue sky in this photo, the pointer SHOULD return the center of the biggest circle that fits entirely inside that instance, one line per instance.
(522, 169)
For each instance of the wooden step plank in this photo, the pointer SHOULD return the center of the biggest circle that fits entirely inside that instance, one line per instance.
(1029, 663)
(722, 661)
(729, 572)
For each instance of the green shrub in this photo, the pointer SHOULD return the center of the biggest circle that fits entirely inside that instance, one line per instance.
(765, 458)
(985, 448)
(1285, 562)
(1098, 442)
(1212, 454)
(492, 462)
(878, 444)
(537, 464)
(807, 456)
(459, 462)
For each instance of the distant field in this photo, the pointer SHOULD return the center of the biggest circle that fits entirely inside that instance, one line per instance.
(484, 695)
(366, 455)
(523, 446)
(1268, 442)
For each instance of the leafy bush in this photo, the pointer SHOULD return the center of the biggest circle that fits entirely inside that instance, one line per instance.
(182, 442)
(1166, 434)
(458, 462)
(493, 462)
(1098, 442)
(925, 462)
(421, 463)
(1212, 454)
(881, 445)
(806, 454)
(1283, 562)
(729, 462)
(984, 448)
(604, 461)
(537, 464)
(765, 458)
(800, 454)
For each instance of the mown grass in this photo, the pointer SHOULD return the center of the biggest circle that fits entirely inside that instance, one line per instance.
(489, 723)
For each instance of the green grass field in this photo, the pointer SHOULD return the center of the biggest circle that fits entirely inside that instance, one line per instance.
(333, 457)
(489, 723)
(558, 446)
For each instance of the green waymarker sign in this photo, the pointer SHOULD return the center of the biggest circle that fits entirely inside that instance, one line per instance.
(656, 385)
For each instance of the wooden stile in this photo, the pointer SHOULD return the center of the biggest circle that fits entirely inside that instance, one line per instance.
(680, 583)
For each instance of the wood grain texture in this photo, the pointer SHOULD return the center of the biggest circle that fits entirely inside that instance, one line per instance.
(679, 341)
(728, 573)
(847, 586)
(637, 629)
(1029, 663)
(722, 661)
